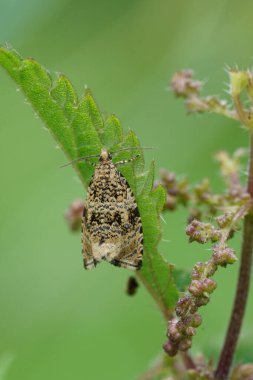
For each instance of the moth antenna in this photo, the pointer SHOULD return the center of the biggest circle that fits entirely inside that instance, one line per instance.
(98, 155)
(134, 148)
(80, 159)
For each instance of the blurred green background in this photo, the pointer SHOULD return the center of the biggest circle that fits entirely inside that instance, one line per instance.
(58, 321)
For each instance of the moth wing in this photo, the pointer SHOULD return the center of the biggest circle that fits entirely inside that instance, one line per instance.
(130, 255)
(88, 259)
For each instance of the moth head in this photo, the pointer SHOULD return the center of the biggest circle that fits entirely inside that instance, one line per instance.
(104, 155)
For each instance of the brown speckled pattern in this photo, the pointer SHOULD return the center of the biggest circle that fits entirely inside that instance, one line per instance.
(112, 228)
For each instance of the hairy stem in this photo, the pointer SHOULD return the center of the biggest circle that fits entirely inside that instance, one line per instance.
(243, 284)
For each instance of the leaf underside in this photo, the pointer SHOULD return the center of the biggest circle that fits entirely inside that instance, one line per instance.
(80, 130)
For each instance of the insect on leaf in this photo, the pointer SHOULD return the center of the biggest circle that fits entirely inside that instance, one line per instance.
(80, 130)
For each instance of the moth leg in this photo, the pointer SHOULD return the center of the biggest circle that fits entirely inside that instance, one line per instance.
(123, 162)
(89, 263)
(127, 264)
(88, 260)
(89, 162)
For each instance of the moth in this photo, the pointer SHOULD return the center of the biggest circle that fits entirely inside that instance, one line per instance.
(111, 223)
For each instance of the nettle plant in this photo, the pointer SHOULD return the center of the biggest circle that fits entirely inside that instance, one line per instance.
(80, 130)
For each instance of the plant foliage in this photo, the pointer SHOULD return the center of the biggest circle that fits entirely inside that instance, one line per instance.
(81, 130)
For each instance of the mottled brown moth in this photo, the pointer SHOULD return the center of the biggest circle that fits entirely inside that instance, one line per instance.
(111, 223)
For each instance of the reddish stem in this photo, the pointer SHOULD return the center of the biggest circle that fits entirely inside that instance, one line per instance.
(243, 285)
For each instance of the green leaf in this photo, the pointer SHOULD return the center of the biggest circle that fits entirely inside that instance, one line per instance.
(156, 272)
(112, 133)
(80, 130)
(87, 139)
(149, 181)
(159, 197)
(182, 278)
(64, 94)
(36, 84)
(11, 61)
(91, 109)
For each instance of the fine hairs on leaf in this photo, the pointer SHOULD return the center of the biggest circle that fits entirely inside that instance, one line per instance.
(81, 131)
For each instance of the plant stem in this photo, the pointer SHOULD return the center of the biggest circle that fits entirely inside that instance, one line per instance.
(188, 361)
(243, 284)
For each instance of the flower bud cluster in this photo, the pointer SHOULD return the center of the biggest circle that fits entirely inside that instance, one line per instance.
(230, 166)
(203, 195)
(234, 205)
(203, 202)
(74, 214)
(207, 104)
(177, 189)
(200, 373)
(243, 372)
(184, 85)
(182, 328)
(234, 198)
(202, 232)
